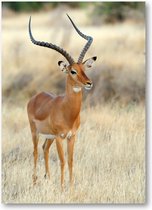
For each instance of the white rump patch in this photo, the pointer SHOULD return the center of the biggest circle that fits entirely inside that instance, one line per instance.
(76, 89)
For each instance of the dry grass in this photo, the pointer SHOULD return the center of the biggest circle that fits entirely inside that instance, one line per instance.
(109, 160)
(120, 68)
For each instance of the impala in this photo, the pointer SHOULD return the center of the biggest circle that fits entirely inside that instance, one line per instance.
(58, 117)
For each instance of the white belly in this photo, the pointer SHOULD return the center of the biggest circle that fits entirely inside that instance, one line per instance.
(48, 136)
(43, 130)
(51, 136)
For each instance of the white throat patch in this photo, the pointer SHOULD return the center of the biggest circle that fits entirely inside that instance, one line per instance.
(76, 89)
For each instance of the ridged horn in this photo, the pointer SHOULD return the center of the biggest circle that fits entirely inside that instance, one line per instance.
(88, 38)
(50, 45)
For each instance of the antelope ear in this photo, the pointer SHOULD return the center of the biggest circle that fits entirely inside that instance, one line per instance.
(88, 63)
(63, 66)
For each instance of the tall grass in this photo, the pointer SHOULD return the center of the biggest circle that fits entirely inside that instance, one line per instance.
(109, 159)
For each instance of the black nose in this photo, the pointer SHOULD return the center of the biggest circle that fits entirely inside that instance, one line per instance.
(89, 83)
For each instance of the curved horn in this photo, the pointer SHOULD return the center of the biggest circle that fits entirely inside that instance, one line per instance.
(50, 45)
(88, 38)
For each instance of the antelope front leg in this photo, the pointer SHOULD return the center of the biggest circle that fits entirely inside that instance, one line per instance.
(62, 160)
(35, 155)
(46, 147)
(70, 148)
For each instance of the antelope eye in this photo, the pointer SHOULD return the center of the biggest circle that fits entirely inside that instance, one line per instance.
(73, 71)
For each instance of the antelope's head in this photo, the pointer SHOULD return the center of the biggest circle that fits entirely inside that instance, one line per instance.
(76, 70)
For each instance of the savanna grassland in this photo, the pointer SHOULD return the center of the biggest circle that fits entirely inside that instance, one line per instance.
(109, 156)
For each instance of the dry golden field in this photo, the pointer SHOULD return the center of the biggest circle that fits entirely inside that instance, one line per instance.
(109, 159)
(109, 156)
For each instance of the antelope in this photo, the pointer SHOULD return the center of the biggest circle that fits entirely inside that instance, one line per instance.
(58, 117)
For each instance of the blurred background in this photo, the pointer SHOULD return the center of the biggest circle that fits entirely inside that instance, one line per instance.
(118, 29)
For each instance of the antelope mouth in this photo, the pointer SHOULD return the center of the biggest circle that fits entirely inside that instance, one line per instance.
(88, 86)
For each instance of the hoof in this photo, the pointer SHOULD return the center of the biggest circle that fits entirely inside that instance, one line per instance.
(34, 179)
(46, 176)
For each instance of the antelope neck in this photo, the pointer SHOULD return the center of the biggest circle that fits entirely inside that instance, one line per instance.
(73, 98)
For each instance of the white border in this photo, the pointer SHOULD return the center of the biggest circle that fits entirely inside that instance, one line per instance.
(148, 204)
